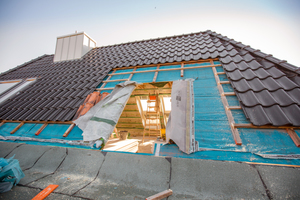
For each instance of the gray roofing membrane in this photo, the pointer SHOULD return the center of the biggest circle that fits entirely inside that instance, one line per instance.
(268, 88)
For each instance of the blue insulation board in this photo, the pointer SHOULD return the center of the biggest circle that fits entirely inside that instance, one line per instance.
(212, 130)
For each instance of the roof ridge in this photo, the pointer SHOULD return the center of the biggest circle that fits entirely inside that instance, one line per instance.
(23, 65)
(269, 57)
(153, 39)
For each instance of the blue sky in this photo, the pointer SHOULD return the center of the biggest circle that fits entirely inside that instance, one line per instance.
(29, 28)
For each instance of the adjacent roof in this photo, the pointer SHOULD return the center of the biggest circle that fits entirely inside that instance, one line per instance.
(267, 88)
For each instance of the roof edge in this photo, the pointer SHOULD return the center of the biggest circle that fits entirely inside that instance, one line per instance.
(269, 57)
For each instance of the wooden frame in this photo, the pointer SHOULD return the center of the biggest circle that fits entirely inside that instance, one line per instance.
(182, 68)
(234, 130)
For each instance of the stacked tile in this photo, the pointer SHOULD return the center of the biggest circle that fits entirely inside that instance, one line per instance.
(268, 89)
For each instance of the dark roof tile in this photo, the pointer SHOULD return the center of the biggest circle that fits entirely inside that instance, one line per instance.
(265, 86)
(277, 116)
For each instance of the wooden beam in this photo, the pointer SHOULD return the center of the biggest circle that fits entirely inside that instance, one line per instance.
(131, 74)
(155, 75)
(68, 130)
(161, 195)
(109, 77)
(17, 128)
(41, 129)
(108, 81)
(2, 123)
(224, 82)
(234, 130)
(263, 127)
(228, 94)
(220, 73)
(294, 136)
(171, 69)
(181, 71)
(169, 64)
(233, 107)
(100, 89)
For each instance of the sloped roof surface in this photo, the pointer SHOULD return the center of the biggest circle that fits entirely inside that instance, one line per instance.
(268, 88)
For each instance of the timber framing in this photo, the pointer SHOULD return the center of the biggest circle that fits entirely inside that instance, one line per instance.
(234, 130)
(182, 68)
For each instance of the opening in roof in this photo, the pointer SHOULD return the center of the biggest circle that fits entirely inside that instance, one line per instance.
(143, 120)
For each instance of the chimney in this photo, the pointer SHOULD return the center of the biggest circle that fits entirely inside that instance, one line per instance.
(73, 46)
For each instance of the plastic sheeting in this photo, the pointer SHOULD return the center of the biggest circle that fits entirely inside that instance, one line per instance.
(98, 123)
(180, 126)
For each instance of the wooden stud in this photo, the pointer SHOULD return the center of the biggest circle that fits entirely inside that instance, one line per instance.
(155, 75)
(68, 130)
(181, 71)
(294, 136)
(41, 129)
(17, 128)
(234, 130)
(161, 195)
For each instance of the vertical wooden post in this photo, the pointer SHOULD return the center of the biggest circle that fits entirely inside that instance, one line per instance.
(155, 75)
(181, 71)
(234, 130)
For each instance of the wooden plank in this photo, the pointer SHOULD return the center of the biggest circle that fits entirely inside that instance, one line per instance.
(228, 94)
(173, 63)
(45, 192)
(2, 123)
(234, 130)
(155, 75)
(68, 130)
(263, 127)
(160, 70)
(294, 136)
(17, 128)
(181, 71)
(41, 129)
(220, 73)
(104, 84)
(132, 74)
(108, 81)
(224, 82)
(234, 107)
(161, 195)
(100, 89)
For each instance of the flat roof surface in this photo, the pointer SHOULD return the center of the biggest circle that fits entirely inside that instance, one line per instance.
(90, 174)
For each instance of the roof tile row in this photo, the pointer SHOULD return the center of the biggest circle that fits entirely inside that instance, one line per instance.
(267, 88)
